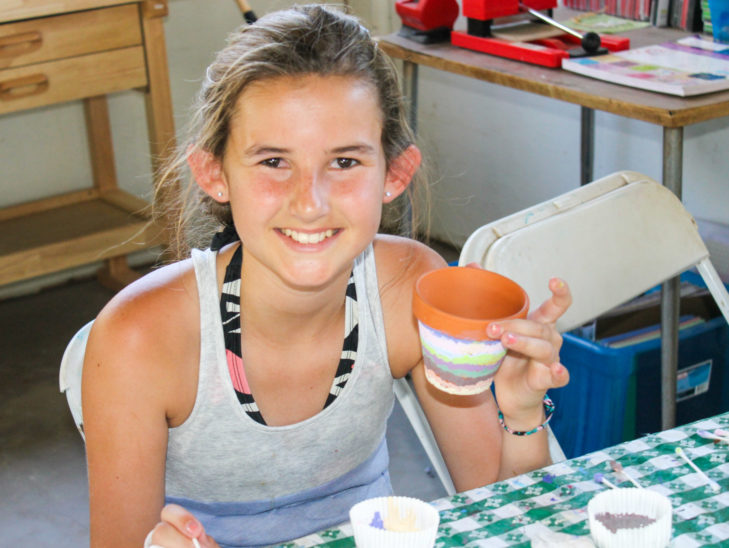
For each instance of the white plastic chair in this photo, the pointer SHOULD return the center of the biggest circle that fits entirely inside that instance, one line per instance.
(410, 405)
(611, 240)
(69, 375)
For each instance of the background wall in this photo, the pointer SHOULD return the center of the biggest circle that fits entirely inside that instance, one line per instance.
(499, 150)
(494, 150)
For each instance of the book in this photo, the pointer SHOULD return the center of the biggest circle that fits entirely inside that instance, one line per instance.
(660, 12)
(648, 333)
(686, 15)
(638, 10)
(602, 23)
(689, 66)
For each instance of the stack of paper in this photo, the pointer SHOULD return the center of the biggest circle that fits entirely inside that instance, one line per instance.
(690, 66)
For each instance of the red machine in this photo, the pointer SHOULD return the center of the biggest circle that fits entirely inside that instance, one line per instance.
(427, 21)
(548, 51)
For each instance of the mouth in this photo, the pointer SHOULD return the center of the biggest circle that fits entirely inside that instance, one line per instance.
(308, 237)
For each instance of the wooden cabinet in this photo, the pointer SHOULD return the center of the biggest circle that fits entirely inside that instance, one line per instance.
(53, 51)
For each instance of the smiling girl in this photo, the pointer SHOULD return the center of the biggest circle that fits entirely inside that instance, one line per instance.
(240, 396)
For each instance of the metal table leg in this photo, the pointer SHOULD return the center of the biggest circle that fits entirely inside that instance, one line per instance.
(587, 144)
(410, 90)
(670, 297)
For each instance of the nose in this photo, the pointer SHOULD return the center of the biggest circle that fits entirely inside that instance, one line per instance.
(310, 197)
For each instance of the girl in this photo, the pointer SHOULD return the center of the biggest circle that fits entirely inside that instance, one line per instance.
(240, 396)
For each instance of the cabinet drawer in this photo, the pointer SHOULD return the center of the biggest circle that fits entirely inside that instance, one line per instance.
(80, 33)
(15, 10)
(68, 79)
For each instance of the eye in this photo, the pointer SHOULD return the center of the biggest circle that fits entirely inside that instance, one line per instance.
(345, 163)
(272, 162)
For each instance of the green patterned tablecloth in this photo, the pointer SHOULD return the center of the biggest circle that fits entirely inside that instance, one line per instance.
(554, 499)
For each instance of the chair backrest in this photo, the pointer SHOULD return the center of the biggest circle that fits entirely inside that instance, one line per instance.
(610, 240)
(70, 373)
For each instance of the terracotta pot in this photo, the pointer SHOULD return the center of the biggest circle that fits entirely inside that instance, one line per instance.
(454, 306)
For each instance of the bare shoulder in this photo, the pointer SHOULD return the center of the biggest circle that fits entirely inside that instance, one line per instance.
(148, 335)
(400, 262)
(164, 297)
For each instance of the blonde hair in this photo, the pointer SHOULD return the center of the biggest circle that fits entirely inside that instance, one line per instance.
(302, 41)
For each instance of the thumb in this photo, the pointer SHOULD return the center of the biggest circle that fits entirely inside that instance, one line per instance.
(183, 520)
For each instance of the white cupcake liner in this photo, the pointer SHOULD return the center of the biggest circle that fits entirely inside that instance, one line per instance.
(426, 520)
(641, 502)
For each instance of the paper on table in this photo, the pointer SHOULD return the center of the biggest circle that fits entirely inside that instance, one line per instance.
(690, 66)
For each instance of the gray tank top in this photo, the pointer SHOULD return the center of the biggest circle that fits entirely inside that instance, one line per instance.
(252, 484)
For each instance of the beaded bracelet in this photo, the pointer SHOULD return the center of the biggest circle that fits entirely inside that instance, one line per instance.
(548, 411)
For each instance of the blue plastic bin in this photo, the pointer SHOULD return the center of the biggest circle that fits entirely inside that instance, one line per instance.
(614, 394)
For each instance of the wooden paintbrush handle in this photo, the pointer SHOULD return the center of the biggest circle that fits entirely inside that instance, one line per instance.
(243, 5)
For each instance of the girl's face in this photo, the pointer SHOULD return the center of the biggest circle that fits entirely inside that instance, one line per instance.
(304, 171)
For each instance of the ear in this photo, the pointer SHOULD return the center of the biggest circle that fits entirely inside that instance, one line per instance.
(208, 173)
(401, 172)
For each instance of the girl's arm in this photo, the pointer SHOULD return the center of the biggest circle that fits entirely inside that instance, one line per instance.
(133, 386)
(531, 368)
(465, 427)
(126, 436)
(475, 447)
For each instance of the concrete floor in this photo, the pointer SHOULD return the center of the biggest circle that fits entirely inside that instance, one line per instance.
(43, 487)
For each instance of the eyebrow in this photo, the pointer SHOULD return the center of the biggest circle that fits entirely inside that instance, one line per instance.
(360, 148)
(265, 150)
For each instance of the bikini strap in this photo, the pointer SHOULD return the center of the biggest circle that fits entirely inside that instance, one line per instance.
(226, 236)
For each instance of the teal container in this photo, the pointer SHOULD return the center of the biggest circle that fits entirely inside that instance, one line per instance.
(719, 10)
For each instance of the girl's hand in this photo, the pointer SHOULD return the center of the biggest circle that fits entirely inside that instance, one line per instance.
(532, 363)
(178, 529)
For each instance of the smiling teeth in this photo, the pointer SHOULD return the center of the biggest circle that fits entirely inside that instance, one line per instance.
(306, 237)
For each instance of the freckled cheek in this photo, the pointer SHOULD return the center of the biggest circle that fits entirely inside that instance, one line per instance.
(359, 192)
(265, 190)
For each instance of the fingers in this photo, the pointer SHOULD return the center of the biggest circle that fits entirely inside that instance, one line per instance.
(560, 375)
(554, 307)
(537, 349)
(537, 346)
(545, 377)
(165, 535)
(182, 520)
(534, 340)
(178, 528)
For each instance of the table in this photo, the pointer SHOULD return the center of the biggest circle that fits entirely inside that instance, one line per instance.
(670, 112)
(554, 499)
(53, 51)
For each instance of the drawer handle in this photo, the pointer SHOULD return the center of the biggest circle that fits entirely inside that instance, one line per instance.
(19, 44)
(23, 87)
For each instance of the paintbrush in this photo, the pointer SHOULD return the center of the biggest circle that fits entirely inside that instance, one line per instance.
(713, 435)
(714, 486)
(618, 469)
(599, 478)
(248, 13)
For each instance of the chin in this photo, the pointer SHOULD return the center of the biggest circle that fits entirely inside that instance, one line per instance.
(314, 276)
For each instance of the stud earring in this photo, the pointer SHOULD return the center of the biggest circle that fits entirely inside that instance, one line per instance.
(220, 194)
(388, 194)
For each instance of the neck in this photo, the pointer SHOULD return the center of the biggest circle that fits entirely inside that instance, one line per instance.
(273, 309)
